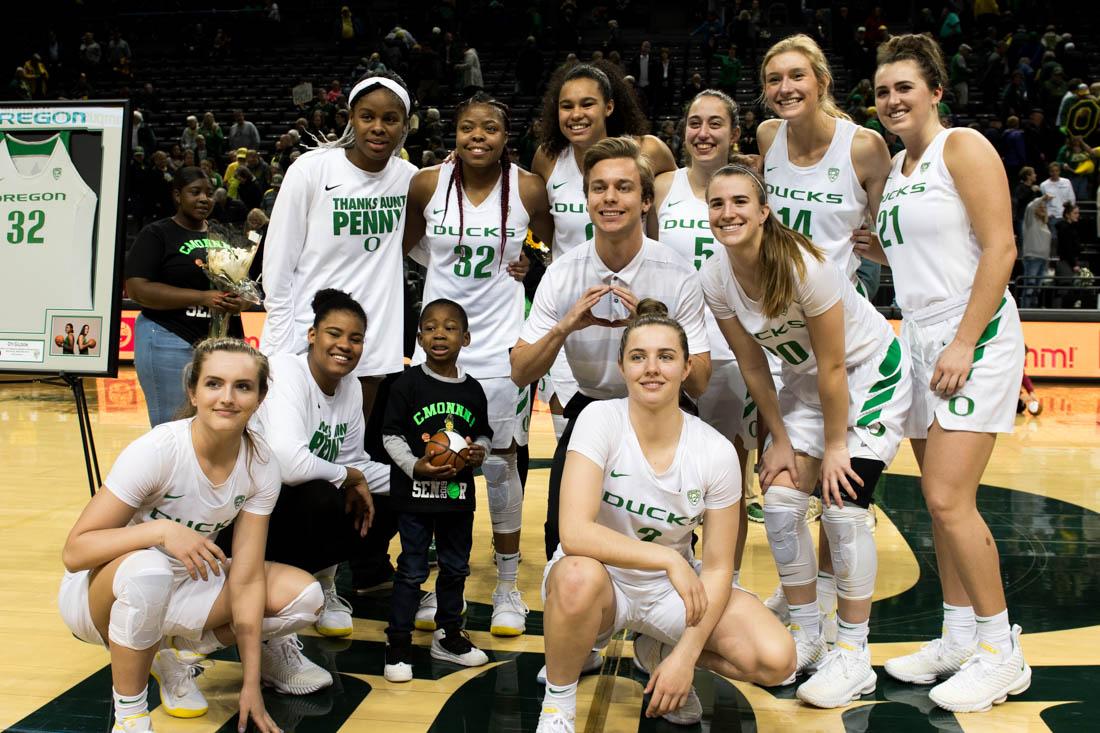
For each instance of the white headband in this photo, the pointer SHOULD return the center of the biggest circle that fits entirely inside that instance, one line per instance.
(388, 84)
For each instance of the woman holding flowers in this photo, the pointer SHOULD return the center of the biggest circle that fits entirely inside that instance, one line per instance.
(175, 296)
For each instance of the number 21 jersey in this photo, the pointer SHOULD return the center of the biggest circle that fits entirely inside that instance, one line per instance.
(47, 215)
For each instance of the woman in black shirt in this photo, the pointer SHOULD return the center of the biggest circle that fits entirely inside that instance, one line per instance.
(174, 294)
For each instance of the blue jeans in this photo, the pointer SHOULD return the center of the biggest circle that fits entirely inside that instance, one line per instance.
(160, 357)
(1034, 269)
(453, 533)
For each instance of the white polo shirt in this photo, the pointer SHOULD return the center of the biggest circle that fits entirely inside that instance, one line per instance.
(593, 353)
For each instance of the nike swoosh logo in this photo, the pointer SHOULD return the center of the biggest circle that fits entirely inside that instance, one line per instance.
(329, 188)
(618, 475)
(770, 169)
(129, 702)
(675, 202)
(556, 186)
(436, 211)
(169, 496)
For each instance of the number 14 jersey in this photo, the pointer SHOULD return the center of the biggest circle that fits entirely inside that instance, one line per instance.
(469, 264)
(47, 214)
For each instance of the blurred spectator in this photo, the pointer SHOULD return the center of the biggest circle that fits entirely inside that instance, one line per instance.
(730, 72)
(693, 87)
(950, 29)
(137, 172)
(874, 24)
(1059, 192)
(222, 44)
(37, 76)
(959, 75)
(334, 91)
(53, 49)
(215, 139)
(1015, 98)
(1026, 190)
(668, 131)
(158, 187)
(1077, 90)
(231, 180)
(644, 71)
(141, 135)
(82, 89)
(216, 180)
(665, 82)
(242, 134)
(227, 210)
(1035, 237)
(18, 88)
(91, 55)
(1069, 256)
(175, 158)
(747, 143)
(1078, 161)
(256, 221)
(268, 202)
(148, 98)
(188, 159)
(348, 29)
(248, 190)
(317, 128)
(261, 171)
(861, 55)
(284, 146)
(118, 49)
(190, 133)
(201, 151)
(469, 71)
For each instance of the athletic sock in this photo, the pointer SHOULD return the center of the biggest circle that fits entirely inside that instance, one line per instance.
(994, 636)
(128, 705)
(826, 592)
(507, 570)
(959, 626)
(807, 618)
(560, 697)
(852, 634)
(560, 422)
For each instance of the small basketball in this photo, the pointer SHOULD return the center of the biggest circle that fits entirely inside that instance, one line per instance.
(447, 448)
(91, 343)
(1035, 407)
(59, 340)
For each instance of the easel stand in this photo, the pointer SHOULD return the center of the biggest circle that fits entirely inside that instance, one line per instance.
(84, 418)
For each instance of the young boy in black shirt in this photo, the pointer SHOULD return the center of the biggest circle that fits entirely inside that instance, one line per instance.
(426, 399)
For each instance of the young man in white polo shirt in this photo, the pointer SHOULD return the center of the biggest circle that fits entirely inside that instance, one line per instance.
(587, 296)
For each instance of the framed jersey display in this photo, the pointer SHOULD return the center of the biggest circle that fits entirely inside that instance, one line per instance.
(62, 235)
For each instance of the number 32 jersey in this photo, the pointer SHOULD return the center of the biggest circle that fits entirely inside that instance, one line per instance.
(47, 216)
(469, 264)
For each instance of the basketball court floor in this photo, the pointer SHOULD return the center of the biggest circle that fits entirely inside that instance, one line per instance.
(1040, 497)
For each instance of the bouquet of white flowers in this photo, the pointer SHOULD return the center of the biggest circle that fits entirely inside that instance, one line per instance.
(228, 258)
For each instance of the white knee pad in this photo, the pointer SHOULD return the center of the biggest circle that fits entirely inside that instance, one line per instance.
(142, 588)
(505, 492)
(789, 537)
(852, 546)
(299, 614)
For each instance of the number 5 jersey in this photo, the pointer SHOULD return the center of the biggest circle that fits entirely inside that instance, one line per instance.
(47, 214)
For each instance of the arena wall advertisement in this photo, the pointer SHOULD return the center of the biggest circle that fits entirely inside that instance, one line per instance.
(1054, 350)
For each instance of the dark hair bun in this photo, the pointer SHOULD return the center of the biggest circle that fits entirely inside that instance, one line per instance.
(330, 299)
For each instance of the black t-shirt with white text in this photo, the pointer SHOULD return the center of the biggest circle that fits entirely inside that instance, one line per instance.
(165, 252)
(420, 406)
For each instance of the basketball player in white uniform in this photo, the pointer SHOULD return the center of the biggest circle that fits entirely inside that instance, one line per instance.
(142, 566)
(945, 228)
(824, 176)
(583, 105)
(338, 223)
(710, 130)
(47, 215)
(621, 568)
(840, 414)
(472, 217)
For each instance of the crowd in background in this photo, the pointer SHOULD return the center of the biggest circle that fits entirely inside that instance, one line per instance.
(1025, 84)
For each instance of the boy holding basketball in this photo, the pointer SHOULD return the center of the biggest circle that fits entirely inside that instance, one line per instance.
(437, 431)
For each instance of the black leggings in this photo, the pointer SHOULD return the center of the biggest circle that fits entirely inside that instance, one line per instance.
(578, 403)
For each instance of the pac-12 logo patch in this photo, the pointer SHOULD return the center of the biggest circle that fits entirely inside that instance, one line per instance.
(56, 173)
(924, 165)
(238, 501)
(833, 174)
(694, 495)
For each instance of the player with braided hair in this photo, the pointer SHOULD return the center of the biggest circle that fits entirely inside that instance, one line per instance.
(467, 219)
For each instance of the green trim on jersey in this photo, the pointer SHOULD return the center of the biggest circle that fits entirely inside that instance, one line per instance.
(19, 147)
(882, 390)
(989, 333)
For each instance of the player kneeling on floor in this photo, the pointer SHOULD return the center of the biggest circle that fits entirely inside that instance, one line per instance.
(640, 475)
(434, 413)
(143, 574)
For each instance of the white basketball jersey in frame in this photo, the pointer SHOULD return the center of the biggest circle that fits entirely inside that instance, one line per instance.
(47, 215)
(683, 224)
(925, 230)
(824, 201)
(473, 270)
(568, 204)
